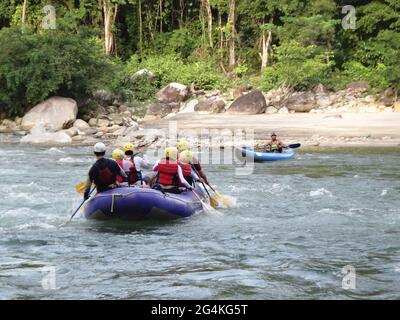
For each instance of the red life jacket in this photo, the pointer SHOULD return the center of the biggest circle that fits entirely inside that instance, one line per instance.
(168, 171)
(133, 174)
(186, 168)
(119, 178)
(186, 171)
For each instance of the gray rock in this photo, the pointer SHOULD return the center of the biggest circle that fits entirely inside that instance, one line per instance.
(188, 106)
(47, 138)
(251, 103)
(301, 102)
(212, 105)
(358, 86)
(72, 132)
(81, 125)
(271, 110)
(174, 92)
(54, 113)
(90, 131)
(103, 122)
(159, 110)
(143, 73)
(103, 97)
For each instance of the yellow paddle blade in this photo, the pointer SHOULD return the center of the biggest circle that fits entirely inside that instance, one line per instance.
(214, 202)
(225, 201)
(80, 187)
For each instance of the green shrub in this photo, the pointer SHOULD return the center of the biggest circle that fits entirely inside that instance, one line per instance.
(36, 66)
(172, 68)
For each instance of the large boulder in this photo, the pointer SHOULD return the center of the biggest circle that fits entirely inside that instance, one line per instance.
(251, 103)
(47, 138)
(55, 114)
(301, 102)
(161, 110)
(174, 92)
(212, 105)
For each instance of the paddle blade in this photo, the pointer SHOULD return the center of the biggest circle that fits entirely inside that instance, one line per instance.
(224, 200)
(80, 187)
(294, 145)
(214, 202)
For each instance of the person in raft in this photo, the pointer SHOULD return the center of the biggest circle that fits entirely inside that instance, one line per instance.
(169, 173)
(103, 172)
(274, 145)
(118, 155)
(184, 161)
(133, 164)
(198, 169)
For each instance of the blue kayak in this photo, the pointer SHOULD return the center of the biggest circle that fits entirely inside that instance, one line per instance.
(266, 156)
(135, 203)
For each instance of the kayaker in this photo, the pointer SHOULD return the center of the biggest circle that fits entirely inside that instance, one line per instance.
(169, 173)
(274, 145)
(104, 172)
(184, 145)
(185, 157)
(118, 155)
(133, 164)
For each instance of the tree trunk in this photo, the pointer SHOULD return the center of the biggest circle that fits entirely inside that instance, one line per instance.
(161, 16)
(110, 14)
(232, 33)
(207, 7)
(266, 47)
(221, 31)
(140, 28)
(24, 7)
(203, 25)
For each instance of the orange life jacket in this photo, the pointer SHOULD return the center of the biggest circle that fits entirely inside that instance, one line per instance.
(167, 171)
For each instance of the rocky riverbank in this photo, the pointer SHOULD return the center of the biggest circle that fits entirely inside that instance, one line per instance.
(315, 118)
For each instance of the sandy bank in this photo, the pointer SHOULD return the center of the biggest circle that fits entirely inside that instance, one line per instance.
(311, 129)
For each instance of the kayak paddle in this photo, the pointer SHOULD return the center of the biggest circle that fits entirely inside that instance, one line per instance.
(80, 187)
(294, 145)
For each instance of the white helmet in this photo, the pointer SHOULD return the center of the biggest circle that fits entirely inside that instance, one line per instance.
(99, 147)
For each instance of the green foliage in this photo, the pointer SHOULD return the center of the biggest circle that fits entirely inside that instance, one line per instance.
(297, 67)
(172, 68)
(34, 66)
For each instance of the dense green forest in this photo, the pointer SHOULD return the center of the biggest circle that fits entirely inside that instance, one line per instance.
(84, 45)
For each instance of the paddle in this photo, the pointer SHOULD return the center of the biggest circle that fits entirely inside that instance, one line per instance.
(213, 202)
(205, 206)
(76, 211)
(80, 187)
(225, 201)
(293, 146)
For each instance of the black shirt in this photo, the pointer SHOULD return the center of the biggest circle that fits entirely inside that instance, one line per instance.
(101, 164)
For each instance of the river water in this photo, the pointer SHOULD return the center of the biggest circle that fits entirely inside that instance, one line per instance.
(300, 229)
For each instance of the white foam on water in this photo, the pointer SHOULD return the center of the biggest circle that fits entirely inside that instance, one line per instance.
(320, 192)
(54, 150)
(74, 160)
(384, 192)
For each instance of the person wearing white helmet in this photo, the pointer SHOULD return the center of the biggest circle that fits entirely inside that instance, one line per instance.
(104, 171)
